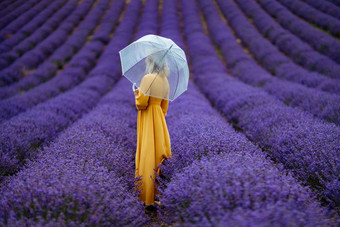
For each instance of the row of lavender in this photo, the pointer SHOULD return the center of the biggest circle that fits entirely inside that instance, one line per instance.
(313, 15)
(306, 146)
(326, 7)
(48, 19)
(86, 175)
(47, 67)
(216, 176)
(7, 6)
(38, 19)
(65, 54)
(76, 70)
(335, 2)
(19, 63)
(96, 154)
(23, 133)
(319, 40)
(321, 104)
(13, 21)
(299, 51)
(272, 59)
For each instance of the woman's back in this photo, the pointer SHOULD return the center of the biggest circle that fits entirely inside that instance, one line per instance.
(155, 85)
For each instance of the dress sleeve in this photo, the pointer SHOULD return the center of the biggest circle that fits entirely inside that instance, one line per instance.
(164, 105)
(141, 100)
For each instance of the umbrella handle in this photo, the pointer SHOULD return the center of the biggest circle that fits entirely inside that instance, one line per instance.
(133, 86)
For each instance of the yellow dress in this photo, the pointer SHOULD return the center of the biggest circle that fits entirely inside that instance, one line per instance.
(153, 141)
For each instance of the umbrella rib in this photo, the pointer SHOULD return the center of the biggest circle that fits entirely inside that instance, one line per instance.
(159, 68)
(177, 81)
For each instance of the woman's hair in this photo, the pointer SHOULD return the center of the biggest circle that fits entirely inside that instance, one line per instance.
(153, 65)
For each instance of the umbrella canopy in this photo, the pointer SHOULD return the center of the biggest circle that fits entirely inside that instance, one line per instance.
(160, 57)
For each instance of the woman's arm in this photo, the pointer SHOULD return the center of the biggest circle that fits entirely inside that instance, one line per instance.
(164, 105)
(141, 99)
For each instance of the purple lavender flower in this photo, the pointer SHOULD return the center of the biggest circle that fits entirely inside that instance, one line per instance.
(325, 7)
(45, 48)
(321, 104)
(320, 41)
(288, 135)
(314, 16)
(289, 44)
(238, 188)
(22, 134)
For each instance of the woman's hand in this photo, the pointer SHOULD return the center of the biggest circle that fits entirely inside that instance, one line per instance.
(136, 92)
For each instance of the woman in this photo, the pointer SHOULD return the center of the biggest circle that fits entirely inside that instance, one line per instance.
(153, 141)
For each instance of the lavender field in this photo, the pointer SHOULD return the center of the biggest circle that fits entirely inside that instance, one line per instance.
(255, 139)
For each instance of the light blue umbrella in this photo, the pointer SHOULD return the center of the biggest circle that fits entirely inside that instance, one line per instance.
(165, 57)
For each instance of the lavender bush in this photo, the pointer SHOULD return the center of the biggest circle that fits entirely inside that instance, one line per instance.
(24, 133)
(104, 140)
(14, 20)
(69, 188)
(267, 54)
(86, 175)
(306, 146)
(205, 200)
(8, 6)
(75, 72)
(238, 189)
(321, 104)
(314, 16)
(47, 22)
(320, 41)
(60, 57)
(335, 2)
(36, 56)
(288, 43)
(325, 7)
